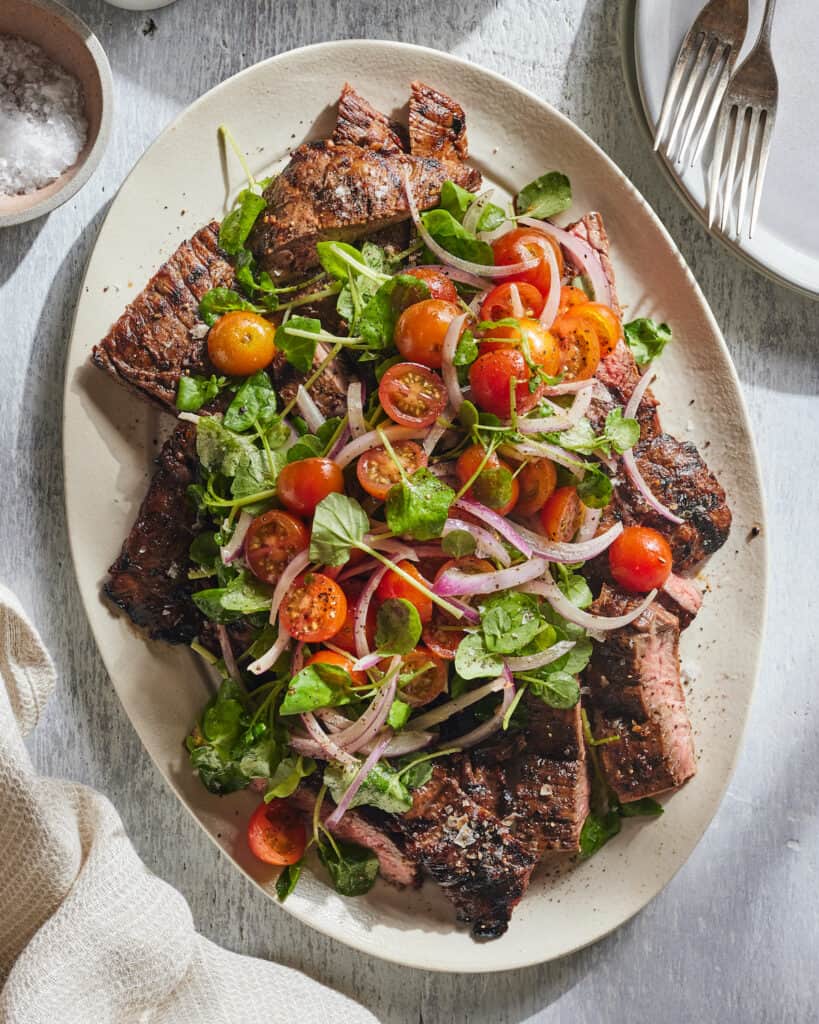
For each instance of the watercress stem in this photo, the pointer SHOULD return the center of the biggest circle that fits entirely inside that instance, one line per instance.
(227, 136)
(314, 376)
(443, 604)
(332, 289)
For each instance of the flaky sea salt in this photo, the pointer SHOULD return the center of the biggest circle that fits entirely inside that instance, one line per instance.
(42, 122)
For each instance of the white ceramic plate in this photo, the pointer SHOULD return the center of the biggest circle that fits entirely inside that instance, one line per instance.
(785, 245)
(110, 438)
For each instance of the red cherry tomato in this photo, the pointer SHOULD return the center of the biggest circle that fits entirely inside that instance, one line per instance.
(377, 472)
(537, 345)
(440, 286)
(490, 376)
(412, 395)
(443, 635)
(303, 484)
(640, 559)
(340, 661)
(314, 608)
(393, 585)
(485, 487)
(345, 637)
(560, 516)
(537, 480)
(272, 541)
(276, 833)
(427, 677)
(421, 328)
(500, 304)
(521, 244)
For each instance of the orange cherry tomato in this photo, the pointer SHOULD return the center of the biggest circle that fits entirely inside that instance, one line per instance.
(428, 677)
(490, 377)
(640, 559)
(303, 484)
(412, 395)
(377, 472)
(241, 343)
(393, 585)
(314, 608)
(272, 541)
(440, 286)
(537, 480)
(484, 487)
(340, 661)
(571, 296)
(538, 345)
(421, 328)
(560, 516)
(500, 304)
(276, 833)
(345, 637)
(521, 244)
(579, 347)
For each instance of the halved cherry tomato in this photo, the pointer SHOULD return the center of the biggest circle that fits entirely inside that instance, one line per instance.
(490, 376)
(303, 484)
(589, 319)
(579, 347)
(640, 559)
(393, 585)
(499, 303)
(571, 296)
(345, 637)
(377, 472)
(443, 634)
(537, 480)
(276, 833)
(531, 338)
(521, 244)
(430, 681)
(469, 564)
(485, 486)
(412, 395)
(339, 660)
(560, 516)
(271, 542)
(421, 328)
(241, 343)
(440, 286)
(314, 608)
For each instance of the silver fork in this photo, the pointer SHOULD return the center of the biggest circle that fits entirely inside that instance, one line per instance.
(750, 101)
(705, 62)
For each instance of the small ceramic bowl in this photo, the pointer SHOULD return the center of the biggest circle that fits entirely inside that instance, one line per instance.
(72, 44)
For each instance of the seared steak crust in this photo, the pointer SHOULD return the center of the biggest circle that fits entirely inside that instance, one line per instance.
(437, 126)
(617, 376)
(360, 124)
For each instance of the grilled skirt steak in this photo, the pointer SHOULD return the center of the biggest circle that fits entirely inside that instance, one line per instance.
(590, 229)
(437, 126)
(360, 124)
(618, 375)
(635, 693)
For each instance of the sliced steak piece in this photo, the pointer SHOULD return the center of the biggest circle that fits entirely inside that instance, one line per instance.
(618, 375)
(592, 230)
(394, 864)
(328, 391)
(360, 124)
(153, 343)
(437, 125)
(682, 597)
(341, 192)
(635, 693)
(149, 580)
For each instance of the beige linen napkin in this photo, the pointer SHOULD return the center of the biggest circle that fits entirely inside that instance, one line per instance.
(87, 934)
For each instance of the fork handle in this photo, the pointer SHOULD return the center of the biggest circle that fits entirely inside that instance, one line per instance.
(767, 21)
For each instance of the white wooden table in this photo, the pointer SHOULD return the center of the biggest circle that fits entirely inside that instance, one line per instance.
(733, 938)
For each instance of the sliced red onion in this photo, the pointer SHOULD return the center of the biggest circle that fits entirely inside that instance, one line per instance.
(496, 521)
(188, 417)
(491, 725)
(477, 301)
(339, 443)
(453, 582)
(227, 653)
(533, 661)
(313, 416)
(291, 571)
(454, 707)
(231, 551)
(357, 570)
(372, 758)
(361, 609)
(307, 748)
(547, 588)
(448, 368)
(544, 450)
(552, 303)
(430, 551)
(392, 546)
(407, 743)
(272, 654)
(469, 613)
(636, 477)
(588, 527)
(437, 431)
(479, 269)
(571, 416)
(330, 750)
(473, 280)
(355, 409)
(569, 387)
(567, 553)
(633, 405)
(368, 661)
(365, 728)
(586, 258)
(297, 660)
(488, 546)
(473, 214)
(517, 305)
(372, 439)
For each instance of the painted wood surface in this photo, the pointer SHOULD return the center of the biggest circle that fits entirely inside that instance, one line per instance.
(732, 939)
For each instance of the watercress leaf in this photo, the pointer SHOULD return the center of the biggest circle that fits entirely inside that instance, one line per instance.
(331, 260)
(450, 234)
(576, 589)
(246, 594)
(596, 832)
(256, 474)
(473, 661)
(221, 723)
(375, 257)
(643, 808)
(287, 880)
(209, 603)
(299, 352)
(467, 350)
(237, 224)
(509, 621)
(288, 774)
(577, 658)
(317, 686)
(456, 200)
(493, 487)
(379, 317)
(194, 392)
(458, 543)
(218, 775)
(254, 402)
(339, 523)
(469, 416)
(261, 284)
(399, 714)
(382, 788)
(595, 489)
(353, 869)
(415, 773)
(221, 450)
(398, 628)
(417, 507)
(223, 300)
(546, 196)
(621, 433)
(204, 550)
(260, 758)
(646, 338)
(345, 306)
(579, 438)
(557, 689)
(491, 218)
(307, 447)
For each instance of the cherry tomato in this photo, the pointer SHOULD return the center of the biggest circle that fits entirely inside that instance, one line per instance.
(538, 345)
(272, 541)
(469, 564)
(241, 343)
(345, 637)
(490, 377)
(443, 634)
(590, 328)
(440, 286)
(579, 347)
(484, 487)
(521, 244)
(276, 833)
(570, 296)
(393, 585)
(537, 480)
(303, 484)
(560, 516)
(499, 303)
(640, 559)
(339, 660)
(314, 608)
(420, 331)
(430, 681)
(412, 395)
(377, 472)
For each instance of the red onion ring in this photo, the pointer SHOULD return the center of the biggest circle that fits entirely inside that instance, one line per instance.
(588, 527)
(368, 661)
(291, 571)
(633, 405)
(313, 416)
(355, 409)
(571, 416)
(391, 545)
(272, 654)
(330, 751)
(547, 588)
(586, 257)
(544, 450)
(567, 552)
(228, 656)
(372, 440)
(458, 275)
(365, 728)
(297, 659)
(404, 743)
(636, 477)
(458, 704)
(357, 570)
(448, 368)
(455, 583)
(333, 819)
(497, 522)
(360, 617)
(488, 546)
(473, 214)
(476, 303)
(552, 303)
(339, 442)
(487, 728)
(517, 305)
(231, 551)
(533, 661)
(437, 431)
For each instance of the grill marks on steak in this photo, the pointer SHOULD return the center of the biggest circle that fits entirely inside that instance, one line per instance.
(360, 124)
(437, 127)
(635, 693)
